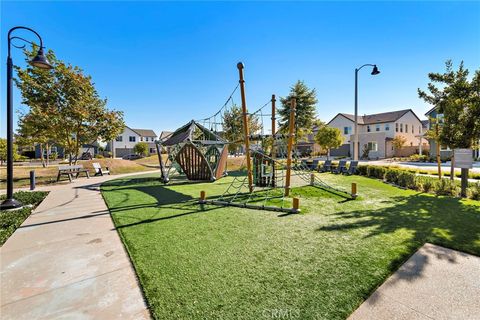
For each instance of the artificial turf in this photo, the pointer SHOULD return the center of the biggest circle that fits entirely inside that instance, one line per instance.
(233, 263)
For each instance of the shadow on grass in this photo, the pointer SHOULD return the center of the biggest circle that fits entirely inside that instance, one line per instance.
(439, 220)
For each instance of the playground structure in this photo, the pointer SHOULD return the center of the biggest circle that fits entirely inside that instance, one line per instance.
(199, 149)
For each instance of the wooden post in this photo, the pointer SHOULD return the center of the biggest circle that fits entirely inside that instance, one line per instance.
(274, 123)
(354, 189)
(291, 135)
(296, 205)
(437, 142)
(312, 179)
(202, 196)
(464, 182)
(246, 130)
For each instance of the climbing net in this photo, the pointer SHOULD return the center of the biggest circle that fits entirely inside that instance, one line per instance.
(271, 164)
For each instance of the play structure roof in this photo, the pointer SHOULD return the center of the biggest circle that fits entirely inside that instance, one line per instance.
(193, 132)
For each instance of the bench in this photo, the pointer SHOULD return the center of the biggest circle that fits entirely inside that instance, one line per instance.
(98, 169)
(71, 171)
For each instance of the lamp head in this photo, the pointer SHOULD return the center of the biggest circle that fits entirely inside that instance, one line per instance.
(41, 61)
(375, 70)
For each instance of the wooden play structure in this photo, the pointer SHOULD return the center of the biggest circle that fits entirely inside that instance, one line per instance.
(198, 152)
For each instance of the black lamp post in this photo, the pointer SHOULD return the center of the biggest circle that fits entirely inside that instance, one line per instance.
(373, 73)
(39, 61)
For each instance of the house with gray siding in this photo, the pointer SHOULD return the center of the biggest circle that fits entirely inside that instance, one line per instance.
(126, 141)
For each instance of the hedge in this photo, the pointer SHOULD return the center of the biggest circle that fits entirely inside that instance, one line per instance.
(409, 180)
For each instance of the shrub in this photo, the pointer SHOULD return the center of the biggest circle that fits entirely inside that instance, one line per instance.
(406, 179)
(99, 156)
(376, 172)
(362, 170)
(446, 187)
(473, 191)
(392, 175)
(424, 184)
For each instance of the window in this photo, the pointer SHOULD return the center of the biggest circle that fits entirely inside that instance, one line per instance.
(347, 130)
(396, 127)
(141, 138)
(387, 127)
(419, 129)
(377, 127)
(119, 139)
(372, 146)
(412, 129)
(406, 128)
(444, 148)
(401, 127)
(368, 129)
(53, 149)
(131, 138)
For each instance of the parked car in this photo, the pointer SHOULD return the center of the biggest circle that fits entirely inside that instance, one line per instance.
(132, 156)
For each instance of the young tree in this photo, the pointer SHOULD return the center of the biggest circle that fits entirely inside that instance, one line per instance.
(233, 127)
(65, 107)
(141, 148)
(329, 138)
(458, 100)
(399, 142)
(305, 113)
(3, 151)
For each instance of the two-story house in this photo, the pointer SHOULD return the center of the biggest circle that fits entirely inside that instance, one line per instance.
(445, 151)
(126, 141)
(376, 133)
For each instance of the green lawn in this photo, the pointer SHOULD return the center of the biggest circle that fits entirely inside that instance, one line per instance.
(231, 263)
(10, 220)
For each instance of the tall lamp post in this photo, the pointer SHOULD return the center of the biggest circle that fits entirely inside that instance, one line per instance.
(373, 73)
(39, 61)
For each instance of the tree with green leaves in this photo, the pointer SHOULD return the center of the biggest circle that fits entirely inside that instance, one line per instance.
(3, 151)
(305, 113)
(141, 148)
(64, 107)
(329, 138)
(458, 99)
(233, 127)
(399, 142)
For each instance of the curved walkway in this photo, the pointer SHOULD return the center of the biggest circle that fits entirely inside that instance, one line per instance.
(66, 261)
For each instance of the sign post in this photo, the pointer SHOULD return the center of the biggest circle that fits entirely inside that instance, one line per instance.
(464, 160)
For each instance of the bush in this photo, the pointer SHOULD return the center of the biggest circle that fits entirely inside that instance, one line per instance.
(406, 179)
(392, 175)
(376, 172)
(473, 191)
(99, 156)
(424, 184)
(362, 170)
(446, 187)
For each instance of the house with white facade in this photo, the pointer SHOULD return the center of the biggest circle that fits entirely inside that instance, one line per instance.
(126, 141)
(377, 131)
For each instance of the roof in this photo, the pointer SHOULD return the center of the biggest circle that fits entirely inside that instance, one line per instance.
(430, 111)
(165, 134)
(193, 132)
(145, 132)
(425, 123)
(377, 117)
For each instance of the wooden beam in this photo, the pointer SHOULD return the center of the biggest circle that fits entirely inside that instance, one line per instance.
(246, 130)
(291, 134)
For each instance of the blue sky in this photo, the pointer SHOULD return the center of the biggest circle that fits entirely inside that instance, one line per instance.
(166, 63)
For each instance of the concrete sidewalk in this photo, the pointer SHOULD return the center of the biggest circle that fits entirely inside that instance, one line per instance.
(435, 283)
(66, 261)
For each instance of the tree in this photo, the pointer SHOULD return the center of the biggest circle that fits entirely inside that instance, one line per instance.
(399, 142)
(458, 100)
(233, 127)
(141, 148)
(3, 151)
(328, 138)
(305, 113)
(64, 107)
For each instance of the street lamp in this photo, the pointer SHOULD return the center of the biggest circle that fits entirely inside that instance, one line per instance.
(39, 61)
(373, 73)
